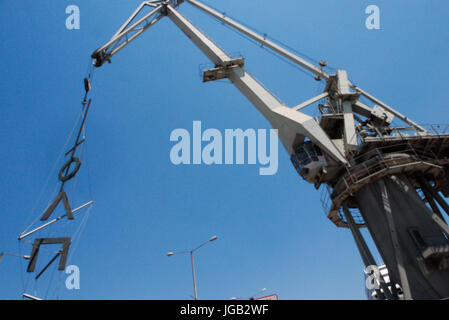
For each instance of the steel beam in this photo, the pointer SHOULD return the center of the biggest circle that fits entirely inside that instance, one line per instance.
(365, 253)
(422, 180)
(389, 109)
(395, 241)
(127, 33)
(343, 87)
(289, 122)
(362, 109)
(427, 190)
(22, 236)
(207, 46)
(28, 296)
(350, 137)
(310, 101)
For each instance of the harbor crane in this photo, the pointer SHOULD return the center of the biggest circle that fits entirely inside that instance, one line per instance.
(390, 179)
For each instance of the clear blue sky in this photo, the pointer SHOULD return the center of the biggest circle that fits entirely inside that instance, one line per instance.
(272, 230)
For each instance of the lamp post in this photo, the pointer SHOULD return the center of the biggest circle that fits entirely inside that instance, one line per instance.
(2, 254)
(257, 293)
(253, 296)
(191, 258)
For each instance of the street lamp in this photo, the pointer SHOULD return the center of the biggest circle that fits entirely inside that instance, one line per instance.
(191, 258)
(252, 297)
(257, 293)
(2, 254)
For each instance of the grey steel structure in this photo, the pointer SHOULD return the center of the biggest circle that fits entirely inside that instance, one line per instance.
(383, 177)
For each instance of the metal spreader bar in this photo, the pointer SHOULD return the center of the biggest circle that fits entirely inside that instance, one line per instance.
(271, 108)
(22, 236)
(389, 109)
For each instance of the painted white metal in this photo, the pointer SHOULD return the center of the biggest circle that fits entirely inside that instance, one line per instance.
(139, 27)
(267, 43)
(362, 109)
(389, 109)
(310, 101)
(135, 13)
(209, 48)
(350, 138)
(22, 236)
(266, 103)
(289, 123)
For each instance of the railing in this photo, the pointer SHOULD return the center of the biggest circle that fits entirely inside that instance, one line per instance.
(436, 129)
(325, 198)
(380, 162)
(407, 132)
(372, 166)
(358, 219)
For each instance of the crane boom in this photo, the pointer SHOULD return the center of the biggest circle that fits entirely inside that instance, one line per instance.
(290, 123)
(365, 163)
(261, 39)
(127, 33)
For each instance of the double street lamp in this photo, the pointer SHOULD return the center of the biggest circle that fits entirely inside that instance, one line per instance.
(191, 258)
(252, 297)
(2, 254)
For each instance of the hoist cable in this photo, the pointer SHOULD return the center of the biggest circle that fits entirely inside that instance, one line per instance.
(269, 51)
(265, 35)
(50, 174)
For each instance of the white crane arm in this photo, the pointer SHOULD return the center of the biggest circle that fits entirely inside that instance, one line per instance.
(262, 40)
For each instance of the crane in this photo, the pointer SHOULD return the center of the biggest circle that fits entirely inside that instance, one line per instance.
(386, 178)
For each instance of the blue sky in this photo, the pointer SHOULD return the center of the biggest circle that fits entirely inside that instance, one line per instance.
(272, 231)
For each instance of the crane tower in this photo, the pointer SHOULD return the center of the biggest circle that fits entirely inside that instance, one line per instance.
(389, 179)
